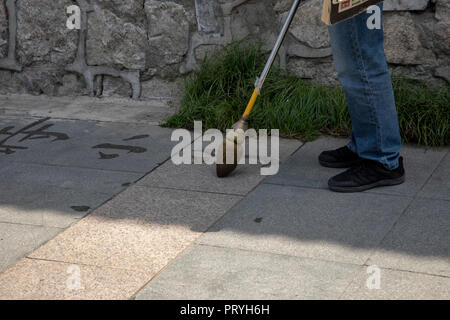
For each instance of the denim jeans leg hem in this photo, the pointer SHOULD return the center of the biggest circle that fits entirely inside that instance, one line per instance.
(390, 165)
(351, 147)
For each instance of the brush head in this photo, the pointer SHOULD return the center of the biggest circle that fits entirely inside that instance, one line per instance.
(224, 169)
(230, 152)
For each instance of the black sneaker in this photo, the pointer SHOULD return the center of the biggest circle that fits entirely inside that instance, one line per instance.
(367, 175)
(339, 158)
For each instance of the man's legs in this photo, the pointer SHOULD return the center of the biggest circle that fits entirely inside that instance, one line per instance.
(374, 149)
(362, 70)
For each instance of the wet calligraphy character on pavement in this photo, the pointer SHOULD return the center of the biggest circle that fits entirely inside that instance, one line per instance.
(130, 149)
(29, 132)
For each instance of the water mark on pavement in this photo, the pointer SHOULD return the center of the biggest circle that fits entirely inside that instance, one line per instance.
(34, 131)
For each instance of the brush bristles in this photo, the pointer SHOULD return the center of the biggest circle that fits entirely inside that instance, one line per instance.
(225, 168)
(230, 151)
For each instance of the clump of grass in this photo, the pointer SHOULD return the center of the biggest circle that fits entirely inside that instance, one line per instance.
(218, 93)
(424, 113)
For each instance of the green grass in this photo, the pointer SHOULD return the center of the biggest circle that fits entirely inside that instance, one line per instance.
(218, 93)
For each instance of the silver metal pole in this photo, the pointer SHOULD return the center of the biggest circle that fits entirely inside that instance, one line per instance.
(260, 81)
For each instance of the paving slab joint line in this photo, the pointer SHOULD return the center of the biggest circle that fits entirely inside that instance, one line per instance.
(80, 264)
(80, 167)
(415, 197)
(189, 190)
(432, 199)
(280, 254)
(391, 269)
(150, 123)
(410, 271)
(133, 297)
(376, 246)
(31, 225)
(287, 158)
(432, 173)
(326, 189)
(31, 116)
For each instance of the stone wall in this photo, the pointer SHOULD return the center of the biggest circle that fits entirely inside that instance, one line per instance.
(138, 48)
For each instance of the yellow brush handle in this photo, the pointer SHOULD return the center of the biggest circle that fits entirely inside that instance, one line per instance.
(251, 103)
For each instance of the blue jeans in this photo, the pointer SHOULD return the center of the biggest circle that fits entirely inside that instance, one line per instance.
(363, 73)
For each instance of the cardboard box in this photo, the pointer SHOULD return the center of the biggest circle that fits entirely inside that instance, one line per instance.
(335, 11)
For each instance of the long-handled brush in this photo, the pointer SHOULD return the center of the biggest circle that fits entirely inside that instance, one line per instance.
(230, 150)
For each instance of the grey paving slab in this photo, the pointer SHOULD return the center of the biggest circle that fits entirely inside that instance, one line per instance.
(398, 285)
(101, 145)
(124, 147)
(420, 240)
(135, 133)
(304, 170)
(419, 165)
(141, 229)
(59, 137)
(3, 163)
(438, 187)
(108, 182)
(46, 205)
(204, 272)
(17, 240)
(308, 222)
(31, 279)
(203, 177)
